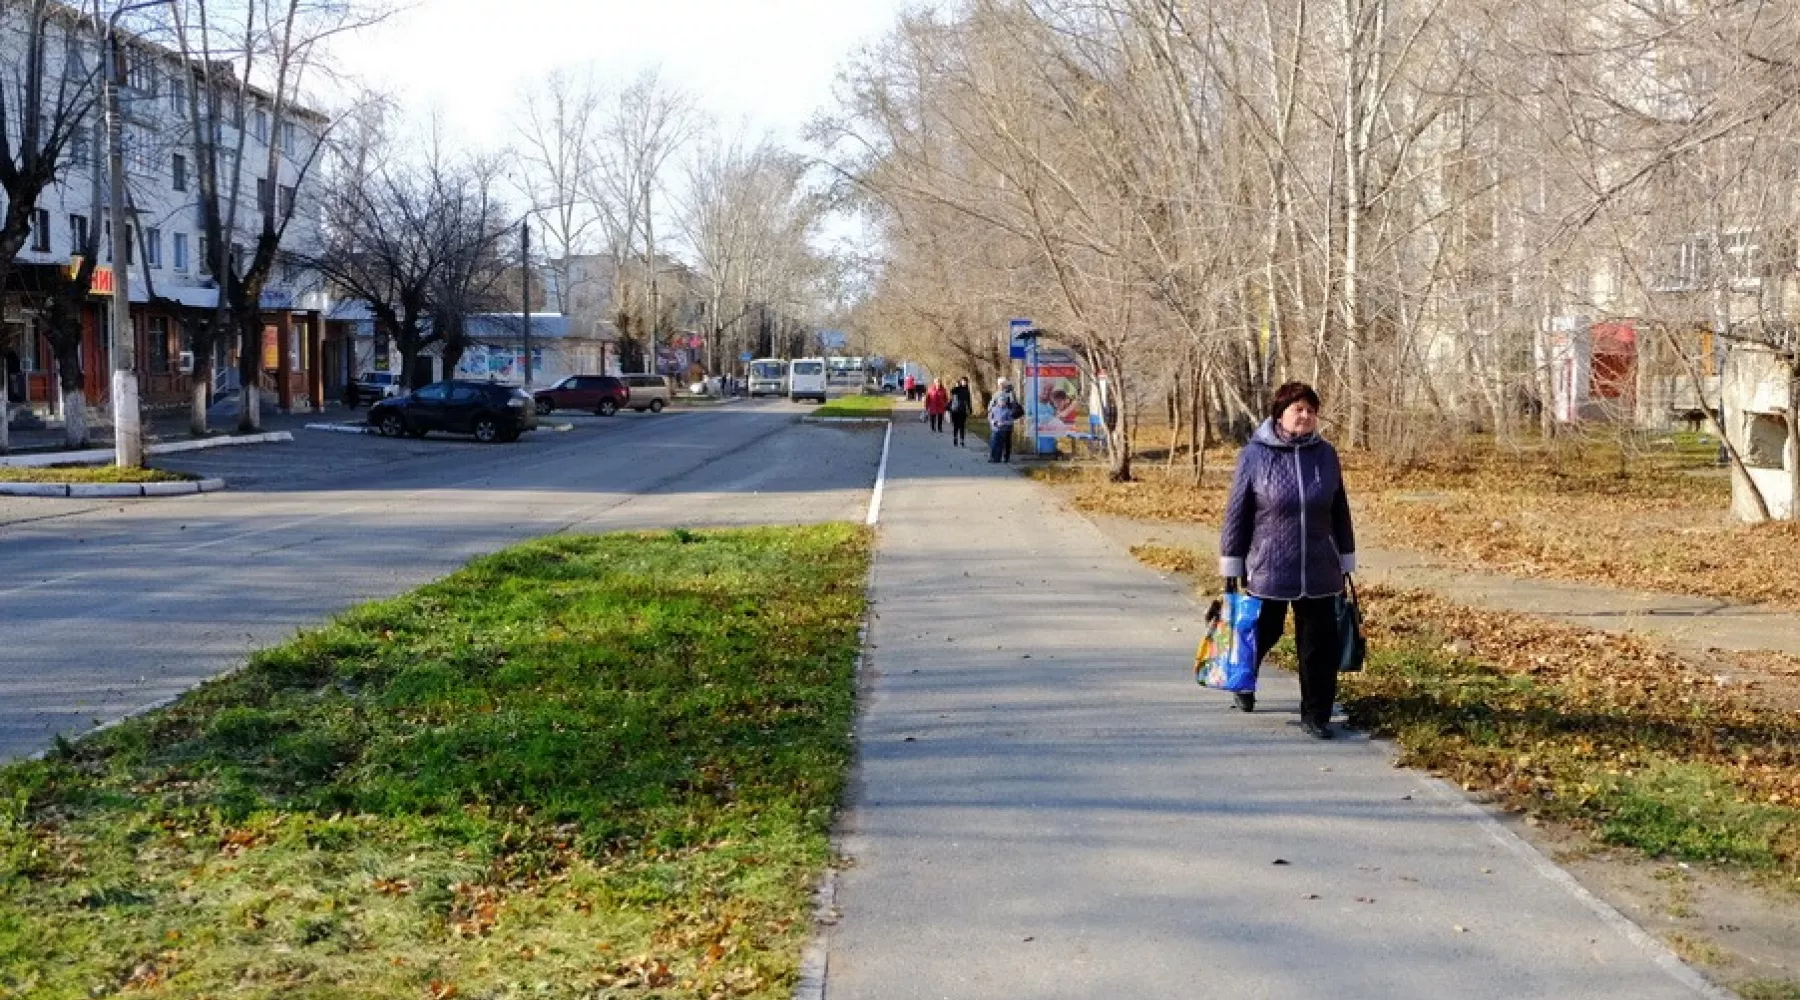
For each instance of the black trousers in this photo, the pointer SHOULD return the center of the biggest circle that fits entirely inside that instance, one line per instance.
(1316, 642)
(937, 422)
(959, 427)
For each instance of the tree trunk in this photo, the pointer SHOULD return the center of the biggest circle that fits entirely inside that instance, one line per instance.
(5, 407)
(249, 419)
(68, 363)
(1197, 427)
(198, 397)
(1174, 409)
(1791, 452)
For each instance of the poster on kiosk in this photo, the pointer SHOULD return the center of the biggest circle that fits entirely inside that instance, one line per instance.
(1053, 397)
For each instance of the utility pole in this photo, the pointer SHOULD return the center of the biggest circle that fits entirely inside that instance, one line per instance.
(525, 282)
(128, 443)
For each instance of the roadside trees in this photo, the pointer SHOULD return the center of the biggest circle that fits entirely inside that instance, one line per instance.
(252, 62)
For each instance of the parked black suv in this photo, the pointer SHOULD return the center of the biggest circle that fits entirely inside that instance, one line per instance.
(488, 410)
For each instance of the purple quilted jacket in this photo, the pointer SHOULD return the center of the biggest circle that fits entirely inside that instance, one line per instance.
(1287, 525)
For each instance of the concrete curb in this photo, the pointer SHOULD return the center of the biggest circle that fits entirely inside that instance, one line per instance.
(815, 957)
(103, 456)
(845, 420)
(110, 490)
(342, 428)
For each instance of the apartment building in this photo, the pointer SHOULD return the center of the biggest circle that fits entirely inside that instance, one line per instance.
(170, 283)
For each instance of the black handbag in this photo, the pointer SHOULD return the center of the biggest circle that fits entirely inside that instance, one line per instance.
(1353, 648)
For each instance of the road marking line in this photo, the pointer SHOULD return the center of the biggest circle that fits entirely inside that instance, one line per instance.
(880, 478)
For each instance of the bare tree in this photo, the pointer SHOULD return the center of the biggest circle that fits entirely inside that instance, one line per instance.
(47, 99)
(558, 138)
(642, 129)
(251, 58)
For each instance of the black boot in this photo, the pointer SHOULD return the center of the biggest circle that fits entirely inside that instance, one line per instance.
(1316, 729)
(1244, 700)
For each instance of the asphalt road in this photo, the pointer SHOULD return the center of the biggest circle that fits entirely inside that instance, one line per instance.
(109, 607)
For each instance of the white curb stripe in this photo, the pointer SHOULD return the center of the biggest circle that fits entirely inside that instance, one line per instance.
(880, 478)
(1658, 952)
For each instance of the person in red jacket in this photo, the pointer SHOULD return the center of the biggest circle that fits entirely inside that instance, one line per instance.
(911, 385)
(937, 403)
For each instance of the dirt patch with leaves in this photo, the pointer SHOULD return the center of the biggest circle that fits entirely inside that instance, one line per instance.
(1635, 744)
(1655, 519)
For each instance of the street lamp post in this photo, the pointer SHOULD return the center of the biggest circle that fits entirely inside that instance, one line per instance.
(525, 282)
(128, 440)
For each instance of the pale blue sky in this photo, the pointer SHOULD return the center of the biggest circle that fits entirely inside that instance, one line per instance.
(770, 63)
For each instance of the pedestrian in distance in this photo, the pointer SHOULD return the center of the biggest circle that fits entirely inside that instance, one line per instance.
(1002, 411)
(961, 405)
(937, 403)
(1287, 538)
(910, 384)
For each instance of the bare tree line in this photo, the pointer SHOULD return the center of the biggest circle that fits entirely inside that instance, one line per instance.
(1400, 202)
(634, 173)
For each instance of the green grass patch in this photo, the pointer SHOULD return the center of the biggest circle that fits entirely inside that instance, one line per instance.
(857, 406)
(579, 766)
(1603, 732)
(87, 474)
(1768, 989)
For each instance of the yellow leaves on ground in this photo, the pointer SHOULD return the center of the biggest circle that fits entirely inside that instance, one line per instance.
(1655, 521)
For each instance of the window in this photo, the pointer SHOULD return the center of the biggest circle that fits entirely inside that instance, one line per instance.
(153, 246)
(259, 125)
(1684, 267)
(156, 344)
(205, 261)
(290, 138)
(434, 393)
(78, 146)
(140, 71)
(106, 239)
(73, 56)
(178, 248)
(178, 93)
(40, 230)
(265, 196)
(78, 234)
(178, 172)
(287, 200)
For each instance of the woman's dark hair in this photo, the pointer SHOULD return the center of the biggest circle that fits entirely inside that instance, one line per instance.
(1289, 394)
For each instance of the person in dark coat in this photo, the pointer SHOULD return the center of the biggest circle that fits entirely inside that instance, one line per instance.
(1287, 537)
(961, 405)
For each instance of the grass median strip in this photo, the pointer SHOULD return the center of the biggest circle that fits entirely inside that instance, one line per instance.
(580, 766)
(87, 474)
(857, 406)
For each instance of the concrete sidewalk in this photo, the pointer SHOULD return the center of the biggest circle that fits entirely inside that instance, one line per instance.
(1047, 806)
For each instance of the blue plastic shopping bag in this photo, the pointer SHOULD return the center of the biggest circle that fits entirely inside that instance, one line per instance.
(1227, 656)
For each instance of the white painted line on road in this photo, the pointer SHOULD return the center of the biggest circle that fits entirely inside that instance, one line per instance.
(880, 478)
(1658, 953)
(342, 428)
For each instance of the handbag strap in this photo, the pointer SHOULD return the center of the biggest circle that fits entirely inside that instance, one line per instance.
(1350, 582)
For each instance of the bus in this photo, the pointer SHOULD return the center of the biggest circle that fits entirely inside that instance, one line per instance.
(768, 377)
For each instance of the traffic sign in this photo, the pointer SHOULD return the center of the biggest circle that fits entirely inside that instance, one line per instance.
(1016, 345)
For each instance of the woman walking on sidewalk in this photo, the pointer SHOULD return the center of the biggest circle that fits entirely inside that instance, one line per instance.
(1287, 536)
(937, 401)
(961, 405)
